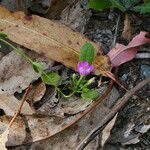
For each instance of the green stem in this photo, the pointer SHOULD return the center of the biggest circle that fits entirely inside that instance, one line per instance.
(78, 83)
(58, 89)
(18, 51)
(66, 96)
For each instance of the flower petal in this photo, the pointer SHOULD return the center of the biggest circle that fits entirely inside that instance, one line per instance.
(84, 68)
(89, 69)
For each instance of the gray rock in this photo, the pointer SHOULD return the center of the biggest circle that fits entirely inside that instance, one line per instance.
(144, 71)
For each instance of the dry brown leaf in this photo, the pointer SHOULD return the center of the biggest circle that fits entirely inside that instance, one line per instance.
(3, 140)
(10, 105)
(106, 131)
(65, 107)
(77, 18)
(54, 40)
(126, 34)
(1, 55)
(16, 74)
(36, 93)
(62, 107)
(41, 127)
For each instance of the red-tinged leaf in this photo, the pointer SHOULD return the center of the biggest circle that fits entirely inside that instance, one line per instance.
(121, 53)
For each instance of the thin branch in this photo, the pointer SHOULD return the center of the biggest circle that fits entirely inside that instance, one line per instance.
(19, 109)
(78, 116)
(120, 103)
(116, 30)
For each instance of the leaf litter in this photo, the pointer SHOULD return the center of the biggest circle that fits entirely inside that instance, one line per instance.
(54, 40)
(16, 74)
(106, 131)
(71, 107)
(68, 110)
(3, 140)
(121, 53)
(43, 126)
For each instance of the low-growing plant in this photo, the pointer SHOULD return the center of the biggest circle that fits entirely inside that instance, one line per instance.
(79, 84)
(123, 5)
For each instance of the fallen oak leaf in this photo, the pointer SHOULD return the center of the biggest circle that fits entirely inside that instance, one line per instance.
(54, 40)
(121, 53)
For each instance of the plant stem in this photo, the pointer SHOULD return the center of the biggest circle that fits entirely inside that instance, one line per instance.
(18, 51)
(78, 83)
(119, 104)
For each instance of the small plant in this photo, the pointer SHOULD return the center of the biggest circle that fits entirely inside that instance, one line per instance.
(79, 84)
(123, 5)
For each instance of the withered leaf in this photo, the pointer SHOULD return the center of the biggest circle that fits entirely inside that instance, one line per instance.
(41, 127)
(16, 73)
(10, 105)
(3, 140)
(121, 53)
(36, 93)
(106, 131)
(54, 40)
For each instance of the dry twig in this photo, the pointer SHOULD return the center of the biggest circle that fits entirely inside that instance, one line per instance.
(116, 30)
(120, 103)
(80, 115)
(19, 109)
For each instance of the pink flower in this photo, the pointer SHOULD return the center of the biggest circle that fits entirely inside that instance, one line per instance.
(84, 68)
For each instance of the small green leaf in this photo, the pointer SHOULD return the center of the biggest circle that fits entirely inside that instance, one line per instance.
(74, 78)
(89, 95)
(128, 4)
(117, 4)
(87, 53)
(143, 8)
(3, 35)
(85, 89)
(51, 78)
(38, 67)
(99, 4)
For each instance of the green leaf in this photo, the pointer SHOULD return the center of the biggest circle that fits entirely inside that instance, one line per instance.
(117, 4)
(143, 8)
(89, 95)
(87, 53)
(128, 4)
(38, 67)
(3, 35)
(74, 78)
(99, 4)
(51, 78)
(85, 89)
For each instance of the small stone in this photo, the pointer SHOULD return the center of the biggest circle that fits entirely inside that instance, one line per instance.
(144, 71)
(124, 77)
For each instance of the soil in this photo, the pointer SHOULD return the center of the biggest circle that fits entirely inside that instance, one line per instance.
(100, 28)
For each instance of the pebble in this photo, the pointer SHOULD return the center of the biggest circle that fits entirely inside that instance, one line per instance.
(144, 71)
